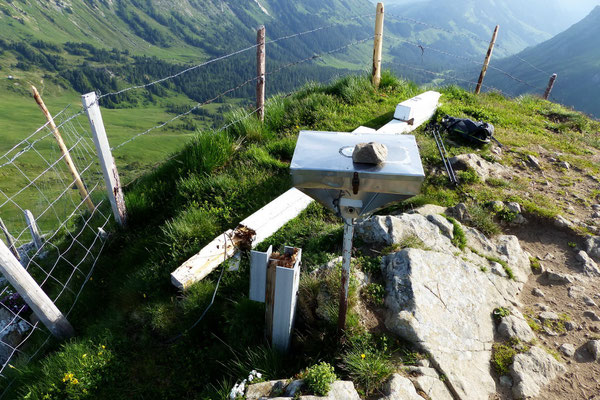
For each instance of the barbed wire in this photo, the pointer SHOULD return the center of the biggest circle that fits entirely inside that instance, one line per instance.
(469, 35)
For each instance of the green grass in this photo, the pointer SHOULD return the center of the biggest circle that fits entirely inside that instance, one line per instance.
(211, 185)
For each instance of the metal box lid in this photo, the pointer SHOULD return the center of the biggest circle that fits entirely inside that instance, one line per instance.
(323, 160)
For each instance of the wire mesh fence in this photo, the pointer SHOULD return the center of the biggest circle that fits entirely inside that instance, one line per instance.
(51, 230)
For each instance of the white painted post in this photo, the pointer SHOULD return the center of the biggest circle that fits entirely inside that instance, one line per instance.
(109, 169)
(33, 295)
(284, 308)
(33, 228)
(9, 240)
(258, 274)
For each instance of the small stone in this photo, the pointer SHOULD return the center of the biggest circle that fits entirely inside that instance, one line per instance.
(400, 387)
(588, 266)
(549, 331)
(576, 292)
(497, 205)
(370, 153)
(514, 207)
(460, 211)
(589, 302)
(596, 214)
(557, 277)
(294, 387)
(506, 381)
(424, 362)
(565, 165)
(562, 222)
(533, 161)
(549, 316)
(593, 347)
(537, 292)
(567, 349)
(571, 326)
(592, 244)
(596, 207)
(515, 326)
(591, 315)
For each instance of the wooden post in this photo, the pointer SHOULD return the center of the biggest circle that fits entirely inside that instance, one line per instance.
(33, 228)
(270, 298)
(550, 86)
(107, 162)
(378, 45)
(9, 240)
(33, 295)
(65, 151)
(260, 72)
(344, 285)
(486, 63)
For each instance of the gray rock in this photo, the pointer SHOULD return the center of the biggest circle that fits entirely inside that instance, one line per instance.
(433, 387)
(424, 363)
(506, 381)
(588, 266)
(498, 269)
(534, 162)
(589, 301)
(596, 214)
(565, 165)
(538, 293)
(484, 169)
(559, 278)
(592, 246)
(387, 230)
(576, 291)
(533, 370)
(399, 387)
(265, 389)
(293, 388)
(446, 227)
(460, 212)
(562, 222)
(591, 315)
(571, 326)
(447, 312)
(342, 390)
(596, 207)
(498, 205)
(429, 209)
(514, 207)
(567, 349)
(515, 326)
(12, 331)
(548, 331)
(549, 316)
(370, 153)
(593, 347)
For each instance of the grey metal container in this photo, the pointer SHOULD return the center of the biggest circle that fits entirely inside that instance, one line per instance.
(322, 167)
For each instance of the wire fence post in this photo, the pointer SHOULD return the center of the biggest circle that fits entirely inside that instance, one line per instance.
(486, 63)
(33, 295)
(65, 152)
(107, 162)
(378, 45)
(9, 240)
(260, 72)
(550, 86)
(346, 259)
(33, 229)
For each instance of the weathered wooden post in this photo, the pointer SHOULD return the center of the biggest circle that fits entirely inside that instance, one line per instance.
(107, 162)
(260, 72)
(378, 45)
(65, 151)
(550, 86)
(33, 229)
(9, 240)
(33, 295)
(486, 63)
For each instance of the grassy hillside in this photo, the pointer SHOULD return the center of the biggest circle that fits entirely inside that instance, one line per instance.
(573, 55)
(130, 314)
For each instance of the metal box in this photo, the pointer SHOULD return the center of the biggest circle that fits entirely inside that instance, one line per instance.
(322, 167)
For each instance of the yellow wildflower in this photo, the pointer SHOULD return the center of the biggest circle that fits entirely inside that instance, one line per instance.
(84, 356)
(362, 356)
(74, 381)
(103, 346)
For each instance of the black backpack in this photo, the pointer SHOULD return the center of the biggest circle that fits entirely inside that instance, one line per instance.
(471, 131)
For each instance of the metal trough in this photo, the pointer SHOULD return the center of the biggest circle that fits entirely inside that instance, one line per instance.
(322, 167)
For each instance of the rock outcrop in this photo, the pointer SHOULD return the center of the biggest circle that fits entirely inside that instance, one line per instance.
(533, 370)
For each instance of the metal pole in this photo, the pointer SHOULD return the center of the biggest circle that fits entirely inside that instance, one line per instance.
(550, 86)
(260, 72)
(378, 45)
(346, 258)
(487, 60)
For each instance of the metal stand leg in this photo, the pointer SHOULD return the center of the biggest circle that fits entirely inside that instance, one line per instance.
(346, 257)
